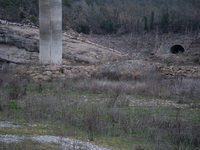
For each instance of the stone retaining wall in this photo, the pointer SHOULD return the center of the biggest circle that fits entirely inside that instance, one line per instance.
(48, 73)
(183, 71)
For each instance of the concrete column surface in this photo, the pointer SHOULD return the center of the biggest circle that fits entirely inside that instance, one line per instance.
(56, 31)
(45, 31)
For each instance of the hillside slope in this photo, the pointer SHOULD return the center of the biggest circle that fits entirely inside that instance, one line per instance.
(74, 48)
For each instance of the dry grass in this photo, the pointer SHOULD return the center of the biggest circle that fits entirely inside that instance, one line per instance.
(98, 110)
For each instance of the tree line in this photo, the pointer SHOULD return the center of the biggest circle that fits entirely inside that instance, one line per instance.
(114, 16)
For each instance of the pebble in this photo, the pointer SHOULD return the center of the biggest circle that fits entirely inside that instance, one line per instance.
(157, 103)
(5, 124)
(66, 143)
(11, 139)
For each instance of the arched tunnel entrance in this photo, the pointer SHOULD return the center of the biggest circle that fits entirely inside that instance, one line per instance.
(176, 49)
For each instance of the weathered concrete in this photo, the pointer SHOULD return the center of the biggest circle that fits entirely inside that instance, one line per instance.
(56, 27)
(166, 47)
(50, 31)
(45, 31)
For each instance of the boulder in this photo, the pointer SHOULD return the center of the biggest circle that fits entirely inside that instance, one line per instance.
(46, 78)
(48, 73)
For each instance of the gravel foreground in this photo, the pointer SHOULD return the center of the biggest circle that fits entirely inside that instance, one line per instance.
(64, 143)
(6, 124)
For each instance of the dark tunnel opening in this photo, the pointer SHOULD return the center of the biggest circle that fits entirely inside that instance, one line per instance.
(176, 49)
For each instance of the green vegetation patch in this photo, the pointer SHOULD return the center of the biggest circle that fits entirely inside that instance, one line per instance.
(102, 117)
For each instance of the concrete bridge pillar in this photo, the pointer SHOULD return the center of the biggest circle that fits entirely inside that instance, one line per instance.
(56, 26)
(50, 22)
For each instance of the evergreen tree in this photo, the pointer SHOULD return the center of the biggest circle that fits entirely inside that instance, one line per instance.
(145, 23)
(152, 20)
(165, 21)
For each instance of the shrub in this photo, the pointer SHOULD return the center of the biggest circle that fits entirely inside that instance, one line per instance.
(108, 25)
(33, 18)
(84, 29)
(22, 15)
(66, 3)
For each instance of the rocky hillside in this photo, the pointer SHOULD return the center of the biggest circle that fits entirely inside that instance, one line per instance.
(24, 41)
(81, 57)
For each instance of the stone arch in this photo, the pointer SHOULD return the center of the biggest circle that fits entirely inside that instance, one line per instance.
(176, 49)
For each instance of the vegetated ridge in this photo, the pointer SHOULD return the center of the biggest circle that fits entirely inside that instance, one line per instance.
(114, 16)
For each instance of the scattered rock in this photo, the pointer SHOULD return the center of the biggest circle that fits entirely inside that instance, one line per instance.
(46, 78)
(5, 124)
(65, 143)
(38, 78)
(184, 71)
(56, 68)
(48, 73)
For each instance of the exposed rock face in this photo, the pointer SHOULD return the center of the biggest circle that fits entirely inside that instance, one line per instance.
(74, 49)
(17, 55)
(22, 37)
(84, 58)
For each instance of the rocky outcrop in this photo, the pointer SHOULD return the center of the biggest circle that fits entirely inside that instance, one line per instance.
(82, 58)
(22, 37)
(74, 48)
(17, 55)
